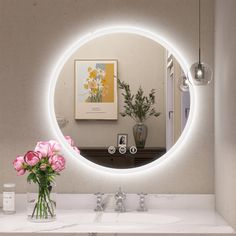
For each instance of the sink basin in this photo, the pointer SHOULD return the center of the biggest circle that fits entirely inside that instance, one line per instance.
(137, 218)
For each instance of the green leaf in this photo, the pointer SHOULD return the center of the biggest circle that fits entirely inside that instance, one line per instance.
(137, 106)
(31, 177)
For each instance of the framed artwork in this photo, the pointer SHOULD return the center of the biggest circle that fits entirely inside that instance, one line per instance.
(122, 140)
(96, 90)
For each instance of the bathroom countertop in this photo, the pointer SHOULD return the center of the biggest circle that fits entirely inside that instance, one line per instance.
(190, 221)
(167, 214)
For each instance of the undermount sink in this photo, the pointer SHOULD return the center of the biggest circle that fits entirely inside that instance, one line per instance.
(138, 218)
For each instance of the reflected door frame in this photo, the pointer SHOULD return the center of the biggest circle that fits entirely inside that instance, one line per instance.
(169, 101)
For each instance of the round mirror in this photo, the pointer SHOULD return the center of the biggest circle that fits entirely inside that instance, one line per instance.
(120, 97)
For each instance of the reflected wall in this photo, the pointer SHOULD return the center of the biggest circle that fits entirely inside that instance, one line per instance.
(141, 62)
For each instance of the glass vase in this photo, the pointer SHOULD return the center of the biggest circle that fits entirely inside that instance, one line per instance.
(41, 202)
(140, 132)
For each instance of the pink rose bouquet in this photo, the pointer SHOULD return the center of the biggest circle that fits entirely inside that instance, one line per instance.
(44, 163)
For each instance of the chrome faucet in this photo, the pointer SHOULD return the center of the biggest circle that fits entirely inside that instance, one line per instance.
(142, 205)
(120, 201)
(99, 206)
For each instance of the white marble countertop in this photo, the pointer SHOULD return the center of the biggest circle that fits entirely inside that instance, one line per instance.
(152, 221)
(75, 220)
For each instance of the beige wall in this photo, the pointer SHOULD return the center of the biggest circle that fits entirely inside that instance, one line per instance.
(141, 62)
(225, 111)
(33, 36)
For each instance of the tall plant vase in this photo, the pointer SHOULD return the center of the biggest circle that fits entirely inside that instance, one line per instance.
(140, 132)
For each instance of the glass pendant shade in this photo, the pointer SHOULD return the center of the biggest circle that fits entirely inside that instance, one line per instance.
(201, 73)
(183, 83)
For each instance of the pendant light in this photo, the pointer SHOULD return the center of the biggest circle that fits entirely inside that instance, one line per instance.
(200, 72)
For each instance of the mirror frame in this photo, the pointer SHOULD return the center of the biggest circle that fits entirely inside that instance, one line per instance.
(67, 54)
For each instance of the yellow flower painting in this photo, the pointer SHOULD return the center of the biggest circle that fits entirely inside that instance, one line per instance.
(96, 83)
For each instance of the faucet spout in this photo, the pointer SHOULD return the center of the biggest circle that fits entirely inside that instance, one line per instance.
(120, 200)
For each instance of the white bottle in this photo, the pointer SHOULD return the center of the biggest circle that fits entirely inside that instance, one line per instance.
(9, 198)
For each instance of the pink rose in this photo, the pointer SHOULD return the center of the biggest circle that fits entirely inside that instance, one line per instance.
(18, 165)
(57, 163)
(72, 143)
(32, 158)
(43, 148)
(21, 172)
(69, 140)
(76, 149)
(47, 149)
(55, 146)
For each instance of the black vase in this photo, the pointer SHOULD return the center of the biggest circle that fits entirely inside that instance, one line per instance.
(140, 132)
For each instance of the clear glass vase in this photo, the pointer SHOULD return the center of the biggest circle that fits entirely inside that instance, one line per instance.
(41, 202)
(140, 132)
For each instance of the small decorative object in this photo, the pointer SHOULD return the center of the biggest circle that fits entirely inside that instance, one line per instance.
(96, 89)
(138, 107)
(43, 165)
(183, 83)
(111, 149)
(9, 198)
(133, 150)
(122, 150)
(140, 132)
(122, 140)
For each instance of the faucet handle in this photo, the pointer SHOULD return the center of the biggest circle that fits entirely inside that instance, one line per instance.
(120, 194)
(142, 205)
(99, 206)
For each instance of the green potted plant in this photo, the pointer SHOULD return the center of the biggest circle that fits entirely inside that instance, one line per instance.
(139, 107)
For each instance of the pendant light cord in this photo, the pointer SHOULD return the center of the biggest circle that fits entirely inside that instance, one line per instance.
(199, 29)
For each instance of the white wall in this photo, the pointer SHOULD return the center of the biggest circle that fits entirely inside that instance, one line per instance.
(33, 36)
(225, 110)
(141, 62)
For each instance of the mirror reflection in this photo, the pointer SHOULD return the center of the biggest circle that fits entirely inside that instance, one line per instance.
(121, 98)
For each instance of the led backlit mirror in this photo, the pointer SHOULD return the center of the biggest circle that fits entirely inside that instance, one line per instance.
(95, 109)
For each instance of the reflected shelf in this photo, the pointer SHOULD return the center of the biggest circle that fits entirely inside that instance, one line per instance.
(101, 156)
